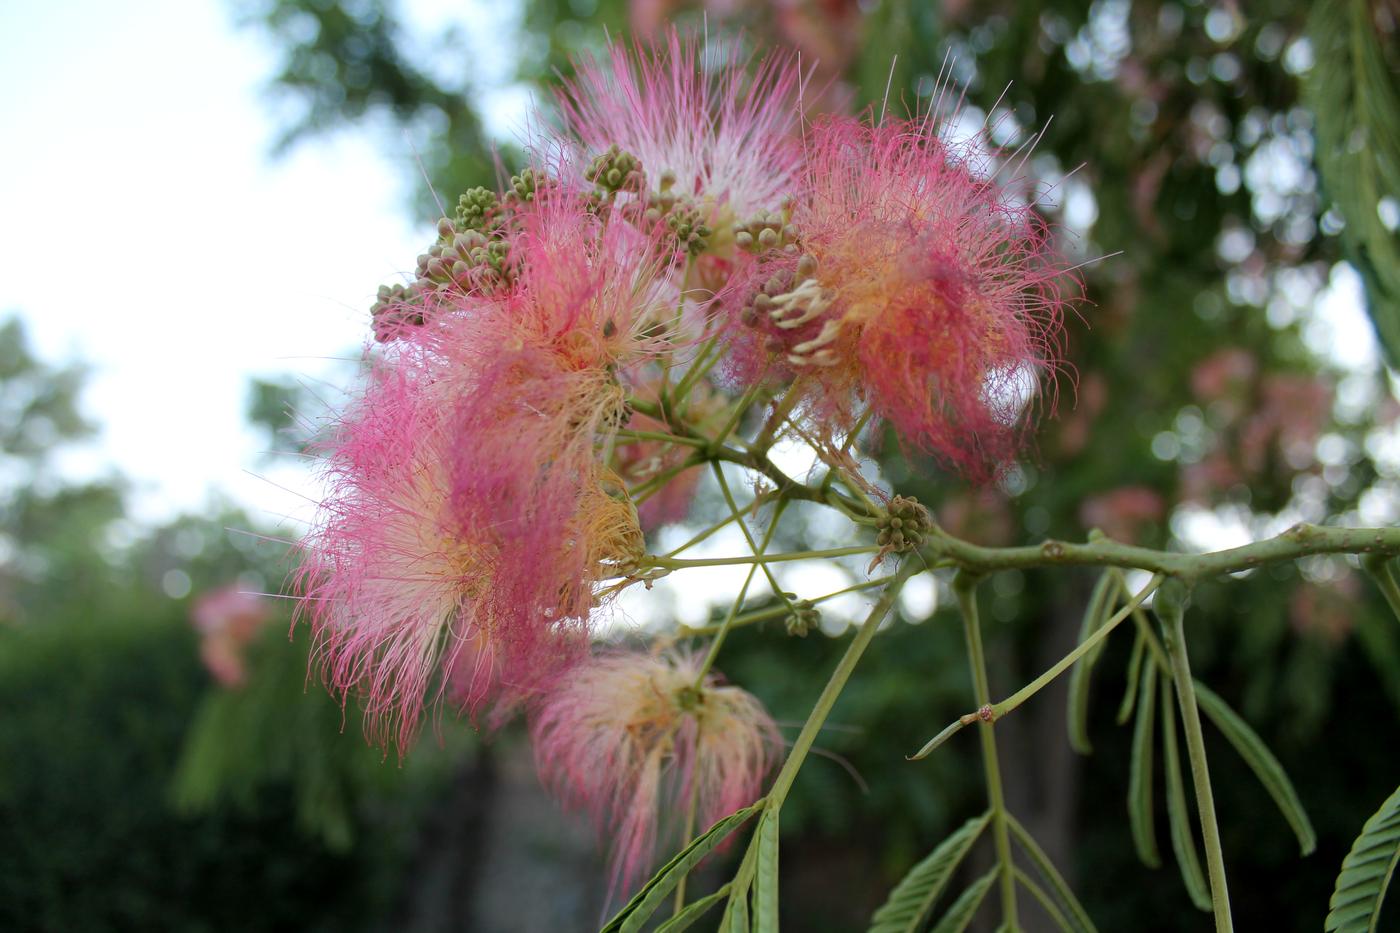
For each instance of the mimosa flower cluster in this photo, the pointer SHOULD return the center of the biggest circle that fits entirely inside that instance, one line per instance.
(681, 242)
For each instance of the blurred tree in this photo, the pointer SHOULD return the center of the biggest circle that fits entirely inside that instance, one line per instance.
(105, 702)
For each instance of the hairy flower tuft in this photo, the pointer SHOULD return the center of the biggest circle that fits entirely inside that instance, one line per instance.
(693, 122)
(629, 733)
(922, 292)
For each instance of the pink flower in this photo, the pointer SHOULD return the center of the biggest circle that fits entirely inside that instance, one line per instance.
(415, 583)
(227, 620)
(471, 519)
(1124, 512)
(921, 291)
(630, 733)
(706, 128)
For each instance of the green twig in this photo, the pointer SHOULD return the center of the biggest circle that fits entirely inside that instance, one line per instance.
(1171, 607)
(965, 587)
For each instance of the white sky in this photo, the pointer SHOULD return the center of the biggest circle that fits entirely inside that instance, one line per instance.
(147, 230)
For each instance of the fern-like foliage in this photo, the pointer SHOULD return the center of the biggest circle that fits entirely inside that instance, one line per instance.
(1366, 872)
(912, 900)
(1352, 92)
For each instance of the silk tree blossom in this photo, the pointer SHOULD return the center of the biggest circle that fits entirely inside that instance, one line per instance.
(921, 293)
(412, 591)
(710, 136)
(630, 733)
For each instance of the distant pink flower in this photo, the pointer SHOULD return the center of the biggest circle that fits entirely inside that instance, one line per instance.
(628, 734)
(704, 125)
(1121, 513)
(227, 619)
(922, 292)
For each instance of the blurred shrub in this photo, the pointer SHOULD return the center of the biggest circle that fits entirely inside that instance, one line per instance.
(95, 714)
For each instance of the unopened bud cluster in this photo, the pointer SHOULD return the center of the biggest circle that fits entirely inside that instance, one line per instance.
(767, 230)
(903, 526)
(803, 618)
(615, 170)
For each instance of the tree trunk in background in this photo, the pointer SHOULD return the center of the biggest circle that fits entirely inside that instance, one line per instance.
(499, 856)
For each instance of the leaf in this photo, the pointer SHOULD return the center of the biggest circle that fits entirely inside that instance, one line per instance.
(1130, 692)
(737, 913)
(643, 904)
(1183, 843)
(1261, 761)
(1051, 908)
(1078, 918)
(1352, 94)
(1140, 819)
(960, 914)
(693, 911)
(911, 901)
(1077, 715)
(1366, 872)
(765, 891)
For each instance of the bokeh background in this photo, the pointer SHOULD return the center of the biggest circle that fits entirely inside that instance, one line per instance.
(199, 200)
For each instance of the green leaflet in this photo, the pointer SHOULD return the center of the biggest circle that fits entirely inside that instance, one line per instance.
(1095, 614)
(1261, 761)
(693, 911)
(960, 914)
(1076, 919)
(765, 891)
(1366, 872)
(1052, 909)
(644, 903)
(1140, 818)
(1351, 92)
(1178, 815)
(912, 900)
(1125, 709)
(737, 913)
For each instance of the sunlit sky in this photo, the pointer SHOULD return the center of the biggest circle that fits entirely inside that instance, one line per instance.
(149, 231)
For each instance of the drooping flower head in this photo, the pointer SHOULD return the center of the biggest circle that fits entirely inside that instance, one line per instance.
(689, 130)
(921, 291)
(630, 733)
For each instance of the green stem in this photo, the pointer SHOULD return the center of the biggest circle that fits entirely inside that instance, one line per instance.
(1084, 647)
(627, 434)
(777, 612)
(748, 536)
(1301, 540)
(738, 602)
(704, 362)
(650, 487)
(989, 713)
(678, 563)
(707, 533)
(836, 683)
(1171, 606)
(780, 412)
(740, 407)
(965, 587)
(686, 835)
(664, 393)
(1378, 567)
